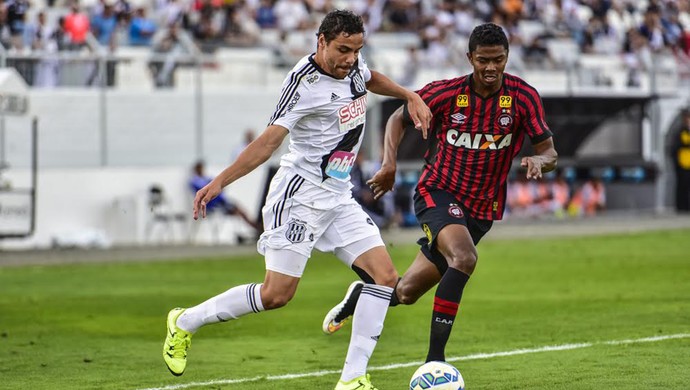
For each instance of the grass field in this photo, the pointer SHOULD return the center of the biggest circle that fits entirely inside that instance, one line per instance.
(101, 326)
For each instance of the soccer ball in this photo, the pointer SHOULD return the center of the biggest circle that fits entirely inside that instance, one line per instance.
(437, 376)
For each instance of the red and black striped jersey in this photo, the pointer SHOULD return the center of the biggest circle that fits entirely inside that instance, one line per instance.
(473, 140)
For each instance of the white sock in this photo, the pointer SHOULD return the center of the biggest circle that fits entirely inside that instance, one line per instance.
(367, 324)
(230, 305)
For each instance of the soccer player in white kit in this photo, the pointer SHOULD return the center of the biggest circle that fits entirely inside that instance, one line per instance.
(309, 205)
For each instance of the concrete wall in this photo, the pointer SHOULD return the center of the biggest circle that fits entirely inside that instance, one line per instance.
(106, 206)
(83, 128)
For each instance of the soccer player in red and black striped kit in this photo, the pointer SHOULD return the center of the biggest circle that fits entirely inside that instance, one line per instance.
(479, 123)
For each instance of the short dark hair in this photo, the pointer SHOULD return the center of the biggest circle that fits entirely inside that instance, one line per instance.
(488, 34)
(340, 21)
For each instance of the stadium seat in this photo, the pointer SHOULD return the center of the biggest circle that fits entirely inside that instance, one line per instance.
(161, 216)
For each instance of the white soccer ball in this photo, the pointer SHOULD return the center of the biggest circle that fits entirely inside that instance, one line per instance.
(437, 376)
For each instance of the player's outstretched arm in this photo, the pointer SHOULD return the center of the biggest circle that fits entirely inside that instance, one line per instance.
(544, 159)
(384, 180)
(419, 112)
(255, 154)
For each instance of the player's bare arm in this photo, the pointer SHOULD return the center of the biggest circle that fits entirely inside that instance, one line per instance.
(384, 180)
(544, 159)
(419, 112)
(255, 154)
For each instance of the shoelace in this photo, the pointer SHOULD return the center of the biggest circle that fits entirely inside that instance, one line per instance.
(180, 345)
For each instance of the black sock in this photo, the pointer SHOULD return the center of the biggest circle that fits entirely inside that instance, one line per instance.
(446, 302)
(394, 297)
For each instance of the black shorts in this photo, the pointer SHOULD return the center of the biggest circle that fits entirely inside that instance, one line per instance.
(434, 211)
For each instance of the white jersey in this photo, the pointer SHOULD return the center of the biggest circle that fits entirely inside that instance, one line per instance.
(325, 117)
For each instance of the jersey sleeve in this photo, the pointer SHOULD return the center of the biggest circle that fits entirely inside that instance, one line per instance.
(294, 103)
(364, 68)
(533, 118)
(431, 96)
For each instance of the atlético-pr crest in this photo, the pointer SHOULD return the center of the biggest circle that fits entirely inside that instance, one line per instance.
(455, 211)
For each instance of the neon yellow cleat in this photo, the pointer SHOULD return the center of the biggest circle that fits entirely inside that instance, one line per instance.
(361, 383)
(343, 309)
(177, 342)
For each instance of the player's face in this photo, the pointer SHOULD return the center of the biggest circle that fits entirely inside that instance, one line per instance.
(488, 62)
(338, 56)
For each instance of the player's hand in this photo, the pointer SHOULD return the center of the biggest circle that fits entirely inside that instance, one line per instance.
(533, 166)
(419, 113)
(203, 197)
(383, 181)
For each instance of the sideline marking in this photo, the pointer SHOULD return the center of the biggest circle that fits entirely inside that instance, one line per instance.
(476, 356)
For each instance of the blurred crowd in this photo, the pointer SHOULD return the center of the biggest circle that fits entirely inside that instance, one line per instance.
(632, 28)
(558, 195)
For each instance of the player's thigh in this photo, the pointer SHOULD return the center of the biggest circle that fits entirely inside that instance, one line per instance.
(419, 278)
(278, 289)
(291, 228)
(435, 211)
(458, 243)
(356, 241)
(455, 243)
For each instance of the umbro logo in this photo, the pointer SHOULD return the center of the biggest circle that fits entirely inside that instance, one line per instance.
(458, 118)
(334, 97)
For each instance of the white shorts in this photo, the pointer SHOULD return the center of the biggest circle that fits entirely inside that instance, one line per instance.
(300, 216)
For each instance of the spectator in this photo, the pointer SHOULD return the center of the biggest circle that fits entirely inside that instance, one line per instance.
(560, 195)
(15, 14)
(169, 46)
(589, 199)
(620, 19)
(522, 197)
(36, 34)
(402, 15)
(637, 57)
(652, 29)
(104, 26)
(42, 39)
(292, 15)
(464, 18)
(241, 29)
(680, 153)
(171, 12)
(264, 15)
(205, 32)
(141, 28)
(220, 203)
(123, 11)
(77, 26)
(60, 35)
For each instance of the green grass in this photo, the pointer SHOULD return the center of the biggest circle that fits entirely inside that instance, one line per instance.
(102, 325)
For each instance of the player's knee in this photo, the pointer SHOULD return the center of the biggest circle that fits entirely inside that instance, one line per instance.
(406, 295)
(465, 261)
(275, 300)
(388, 278)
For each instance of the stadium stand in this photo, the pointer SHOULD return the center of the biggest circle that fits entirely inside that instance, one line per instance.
(565, 49)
